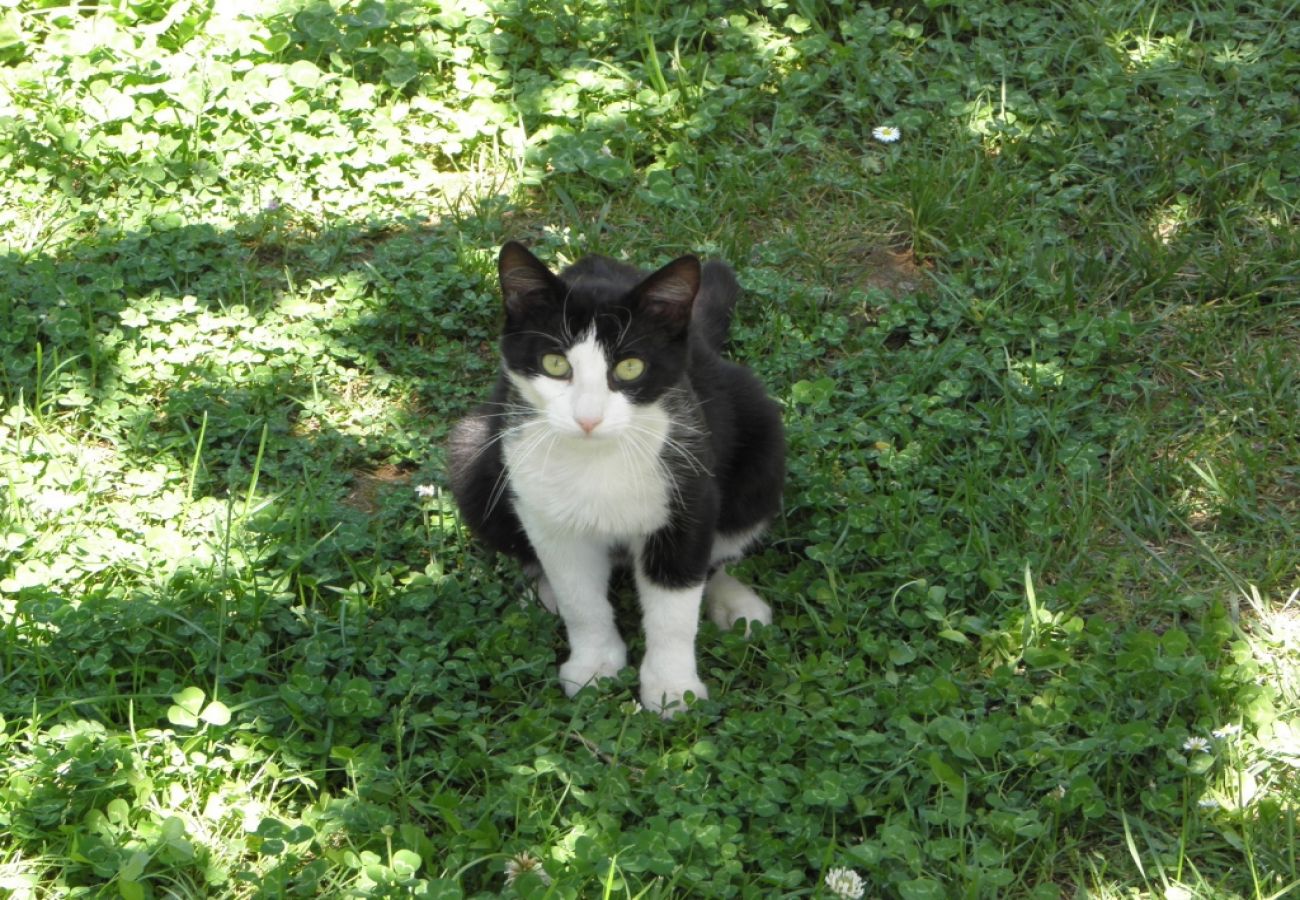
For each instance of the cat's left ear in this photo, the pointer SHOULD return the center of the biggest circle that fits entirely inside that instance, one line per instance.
(670, 292)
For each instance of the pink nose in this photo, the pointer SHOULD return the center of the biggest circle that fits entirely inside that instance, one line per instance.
(588, 423)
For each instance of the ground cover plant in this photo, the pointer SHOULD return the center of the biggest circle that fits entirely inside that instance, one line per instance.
(1037, 630)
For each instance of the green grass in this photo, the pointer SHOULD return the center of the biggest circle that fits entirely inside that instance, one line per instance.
(1040, 367)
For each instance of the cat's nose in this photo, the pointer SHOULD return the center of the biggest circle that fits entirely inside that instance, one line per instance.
(588, 423)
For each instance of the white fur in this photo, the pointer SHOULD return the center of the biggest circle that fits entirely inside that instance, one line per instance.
(730, 601)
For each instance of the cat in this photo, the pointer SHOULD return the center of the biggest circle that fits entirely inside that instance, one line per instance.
(617, 433)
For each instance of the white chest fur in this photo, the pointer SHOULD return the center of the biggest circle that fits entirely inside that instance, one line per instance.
(615, 488)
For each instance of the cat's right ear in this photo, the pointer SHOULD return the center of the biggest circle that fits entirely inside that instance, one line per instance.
(524, 277)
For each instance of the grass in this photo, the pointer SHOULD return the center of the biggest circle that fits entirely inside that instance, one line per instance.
(1037, 630)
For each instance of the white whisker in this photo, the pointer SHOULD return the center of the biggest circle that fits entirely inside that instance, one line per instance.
(503, 477)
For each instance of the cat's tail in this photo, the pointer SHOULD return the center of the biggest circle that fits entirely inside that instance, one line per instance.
(719, 291)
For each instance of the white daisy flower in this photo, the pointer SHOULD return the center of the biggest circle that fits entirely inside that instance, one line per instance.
(845, 883)
(1196, 745)
(426, 490)
(1226, 731)
(886, 134)
(1207, 803)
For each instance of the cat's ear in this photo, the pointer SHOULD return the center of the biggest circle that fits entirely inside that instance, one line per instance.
(670, 292)
(523, 276)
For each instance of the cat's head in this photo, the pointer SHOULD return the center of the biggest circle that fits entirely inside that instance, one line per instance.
(596, 349)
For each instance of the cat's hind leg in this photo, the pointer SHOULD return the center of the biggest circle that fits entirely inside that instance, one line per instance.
(726, 598)
(729, 601)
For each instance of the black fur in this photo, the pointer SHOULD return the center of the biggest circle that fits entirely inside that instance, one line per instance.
(677, 320)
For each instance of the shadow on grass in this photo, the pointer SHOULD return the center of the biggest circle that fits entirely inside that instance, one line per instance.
(221, 401)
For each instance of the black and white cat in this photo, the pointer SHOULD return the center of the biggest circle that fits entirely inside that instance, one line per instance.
(616, 432)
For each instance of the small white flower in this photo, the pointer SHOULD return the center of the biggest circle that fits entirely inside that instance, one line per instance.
(1196, 745)
(426, 490)
(525, 862)
(1207, 803)
(1177, 892)
(606, 152)
(886, 134)
(1059, 792)
(1226, 731)
(845, 883)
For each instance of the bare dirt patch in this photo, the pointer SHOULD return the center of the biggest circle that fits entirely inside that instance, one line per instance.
(369, 486)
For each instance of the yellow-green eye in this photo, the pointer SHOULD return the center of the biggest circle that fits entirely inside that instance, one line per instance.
(629, 369)
(555, 365)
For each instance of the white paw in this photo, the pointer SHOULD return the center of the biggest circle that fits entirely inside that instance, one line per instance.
(581, 670)
(729, 601)
(666, 695)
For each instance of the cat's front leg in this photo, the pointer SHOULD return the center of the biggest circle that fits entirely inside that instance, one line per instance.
(671, 619)
(577, 572)
(671, 566)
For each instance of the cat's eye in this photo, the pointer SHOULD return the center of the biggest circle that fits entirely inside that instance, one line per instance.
(555, 365)
(629, 369)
